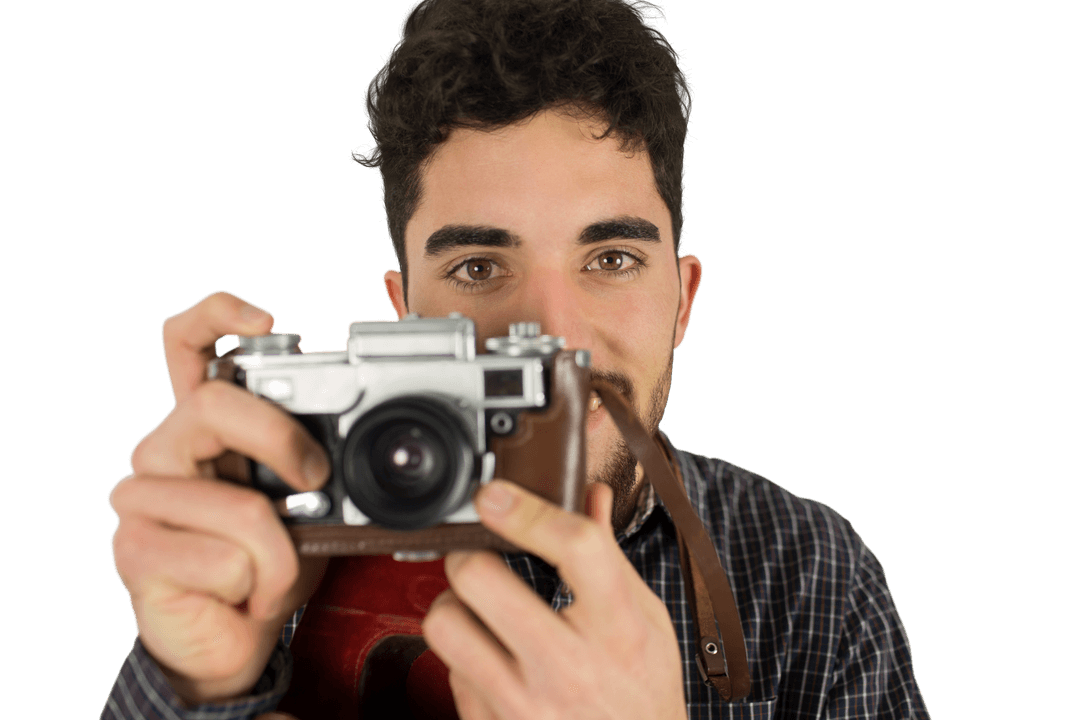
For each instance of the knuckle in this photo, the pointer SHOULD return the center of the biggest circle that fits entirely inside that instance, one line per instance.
(221, 305)
(429, 628)
(438, 614)
(252, 509)
(210, 398)
(215, 402)
(440, 601)
(120, 493)
(475, 576)
(431, 619)
(174, 328)
(473, 567)
(218, 304)
(129, 544)
(147, 454)
(170, 329)
(219, 299)
(233, 563)
(141, 458)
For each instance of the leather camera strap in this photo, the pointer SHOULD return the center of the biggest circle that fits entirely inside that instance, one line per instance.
(723, 664)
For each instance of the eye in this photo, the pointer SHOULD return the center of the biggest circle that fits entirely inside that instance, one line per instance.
(478, 269)
(474, 273)
(614, 261)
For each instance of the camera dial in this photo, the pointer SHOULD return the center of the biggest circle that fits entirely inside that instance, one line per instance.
(525, 340)
(273, 344)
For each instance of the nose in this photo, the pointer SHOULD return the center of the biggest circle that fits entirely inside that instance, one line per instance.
(554, 300)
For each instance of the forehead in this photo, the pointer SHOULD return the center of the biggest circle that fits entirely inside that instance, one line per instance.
(546, 176)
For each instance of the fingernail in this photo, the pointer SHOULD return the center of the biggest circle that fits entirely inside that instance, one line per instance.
(315, 469)
(497, 498)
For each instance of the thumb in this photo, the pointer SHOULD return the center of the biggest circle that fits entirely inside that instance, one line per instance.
(598, 500)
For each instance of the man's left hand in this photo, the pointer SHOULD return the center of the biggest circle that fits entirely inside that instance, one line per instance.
(612, 653)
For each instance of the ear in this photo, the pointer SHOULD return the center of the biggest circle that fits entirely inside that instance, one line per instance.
(689, 278)
(396, 290)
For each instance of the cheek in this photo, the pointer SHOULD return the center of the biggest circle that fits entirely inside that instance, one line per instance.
(638, 325)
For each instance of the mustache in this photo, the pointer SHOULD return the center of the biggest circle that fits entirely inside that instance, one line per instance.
(621, 382)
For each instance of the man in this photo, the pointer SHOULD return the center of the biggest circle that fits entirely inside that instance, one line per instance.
(531, 152)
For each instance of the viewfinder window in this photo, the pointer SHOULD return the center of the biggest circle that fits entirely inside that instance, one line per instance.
(503, 383)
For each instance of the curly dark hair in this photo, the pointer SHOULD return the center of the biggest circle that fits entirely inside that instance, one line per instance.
(491, 63)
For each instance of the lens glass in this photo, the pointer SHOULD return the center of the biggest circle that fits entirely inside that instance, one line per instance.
(409, 461)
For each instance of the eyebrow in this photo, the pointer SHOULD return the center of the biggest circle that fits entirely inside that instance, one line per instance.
(450, 237)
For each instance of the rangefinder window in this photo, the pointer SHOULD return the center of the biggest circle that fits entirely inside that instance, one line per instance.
(503, 383)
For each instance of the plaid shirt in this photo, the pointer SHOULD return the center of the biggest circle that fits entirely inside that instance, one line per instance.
(823, 638)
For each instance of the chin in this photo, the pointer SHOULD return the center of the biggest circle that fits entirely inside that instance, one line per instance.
(608, 458)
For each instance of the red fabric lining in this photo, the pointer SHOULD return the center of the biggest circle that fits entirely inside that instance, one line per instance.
(360, 601)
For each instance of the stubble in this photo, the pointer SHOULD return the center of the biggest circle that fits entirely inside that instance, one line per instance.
(619, 472)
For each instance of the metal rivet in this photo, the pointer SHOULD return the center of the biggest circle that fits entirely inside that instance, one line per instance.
(502, 423)
(711, 648)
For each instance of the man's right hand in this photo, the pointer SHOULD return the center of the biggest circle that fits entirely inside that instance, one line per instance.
(212, 573)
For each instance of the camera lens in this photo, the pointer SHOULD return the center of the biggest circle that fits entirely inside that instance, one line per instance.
(411, 460)
(409, 463)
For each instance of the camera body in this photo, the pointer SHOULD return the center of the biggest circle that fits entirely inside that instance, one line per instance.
(414, 422)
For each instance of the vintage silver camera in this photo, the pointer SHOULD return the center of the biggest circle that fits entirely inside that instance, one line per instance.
(413, 418)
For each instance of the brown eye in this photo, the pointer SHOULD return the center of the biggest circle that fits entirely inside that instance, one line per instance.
(615, 261)
(478, 269)
(475, 273)
(611, 261)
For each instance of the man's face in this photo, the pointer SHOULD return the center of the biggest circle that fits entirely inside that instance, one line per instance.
(540, 222)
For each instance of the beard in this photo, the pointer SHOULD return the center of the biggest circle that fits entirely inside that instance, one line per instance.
(619, 471)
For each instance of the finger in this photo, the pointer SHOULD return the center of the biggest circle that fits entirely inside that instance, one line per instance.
(237, 514)
(468, 649)
(219, 417)
(507, 607)
(606, 587)
(190, 336)
(468, 700)
(149, 554)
